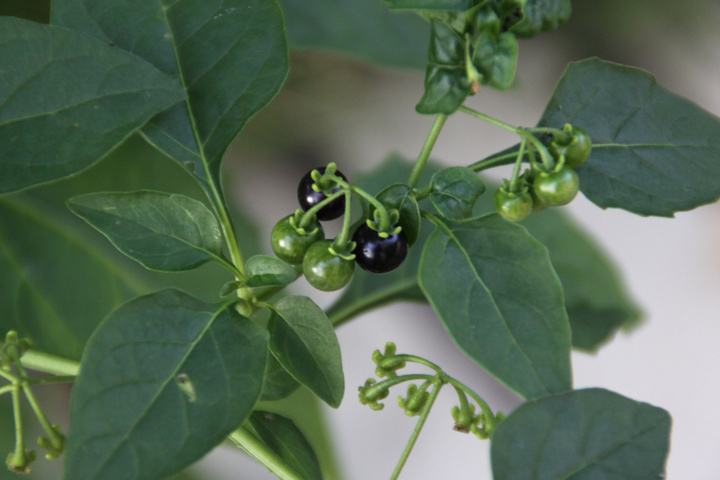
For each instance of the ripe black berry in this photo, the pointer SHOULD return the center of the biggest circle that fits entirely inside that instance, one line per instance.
(308, 198)
(376, 254)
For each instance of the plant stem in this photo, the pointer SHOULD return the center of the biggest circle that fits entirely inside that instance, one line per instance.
(418, 428)
(310, 214)
(253, 446)
(342, 240)
(427, 149)
(52, 434)
(19, 453)
(6, 389)
(518, 165)
(490, 119)
(493, 161)
(46, 363)
(10, 378)
(421, 361)
(487, 411)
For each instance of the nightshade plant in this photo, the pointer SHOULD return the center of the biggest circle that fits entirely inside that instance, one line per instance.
(166, 376)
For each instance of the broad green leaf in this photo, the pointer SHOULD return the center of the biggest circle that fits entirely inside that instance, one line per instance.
(654, 152)
(67, 100)
(367, 290)
(284, 438)
(267, 271)
(303, 340)
(366, 30)
(46, 268)
(455, 191)
(582, 435)
(398, 197)
(278, 382)
(494, 288)
(446, 84)
(595, 295)
(164, 379)
(542, 16)
(450, 5)
(230, 56)
(162, 231)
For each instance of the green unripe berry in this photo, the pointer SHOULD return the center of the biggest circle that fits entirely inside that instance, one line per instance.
(512, 206)
(324, 269)
(553, 189)
(290, 243)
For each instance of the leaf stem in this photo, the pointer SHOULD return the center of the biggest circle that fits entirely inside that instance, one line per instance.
(490, 119)
(427, 149)
(493, 161)
(437, 387)
(6, 389)
(52, 364)
(253, 446)
(19, 460)
(7, 376)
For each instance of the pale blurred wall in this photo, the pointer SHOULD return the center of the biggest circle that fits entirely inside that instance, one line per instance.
(358, 114)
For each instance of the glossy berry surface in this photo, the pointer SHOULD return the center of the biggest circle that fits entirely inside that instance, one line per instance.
(289, 244)
(325, 270)
(556, 188)
(514, 207)
(308, 198)
(578, 151)
(376, 254)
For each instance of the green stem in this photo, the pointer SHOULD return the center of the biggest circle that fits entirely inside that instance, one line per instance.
(487, 411)
(490, 119)
(418, 428)
(385, 221)
(18, 460)
(7, 376)
(421, 361)
(391, 382)
(309, 215)
(493, 161)
(55, 439)
(46, 363)
(6, 389)
(545, 156)
(253, 446)
(427, 149)
(342, 240)
(516, 170)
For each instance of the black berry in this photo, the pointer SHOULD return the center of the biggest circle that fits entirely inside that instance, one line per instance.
(308, 198)
(376, 254)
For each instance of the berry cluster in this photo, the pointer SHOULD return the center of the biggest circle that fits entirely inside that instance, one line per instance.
(549, 183)
(377, 244)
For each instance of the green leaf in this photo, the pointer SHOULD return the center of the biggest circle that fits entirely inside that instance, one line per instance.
(366, 30)
(162, 231)
(455, 191)
(585, 434)
(398, 197)
(267, 271)
(449, 5)
(595, 295)
(68, 100)
(36, 10)
(654, 152)
(367, 290)
(278, 383)
(542, 16)
(494, 288)
(285, 439)
(45, 267)
(303, 340)
(446, 84)
(163, 380)
(496, 57)
(230, 56)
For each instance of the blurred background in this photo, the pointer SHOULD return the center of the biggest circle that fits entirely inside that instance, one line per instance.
(337, 106)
